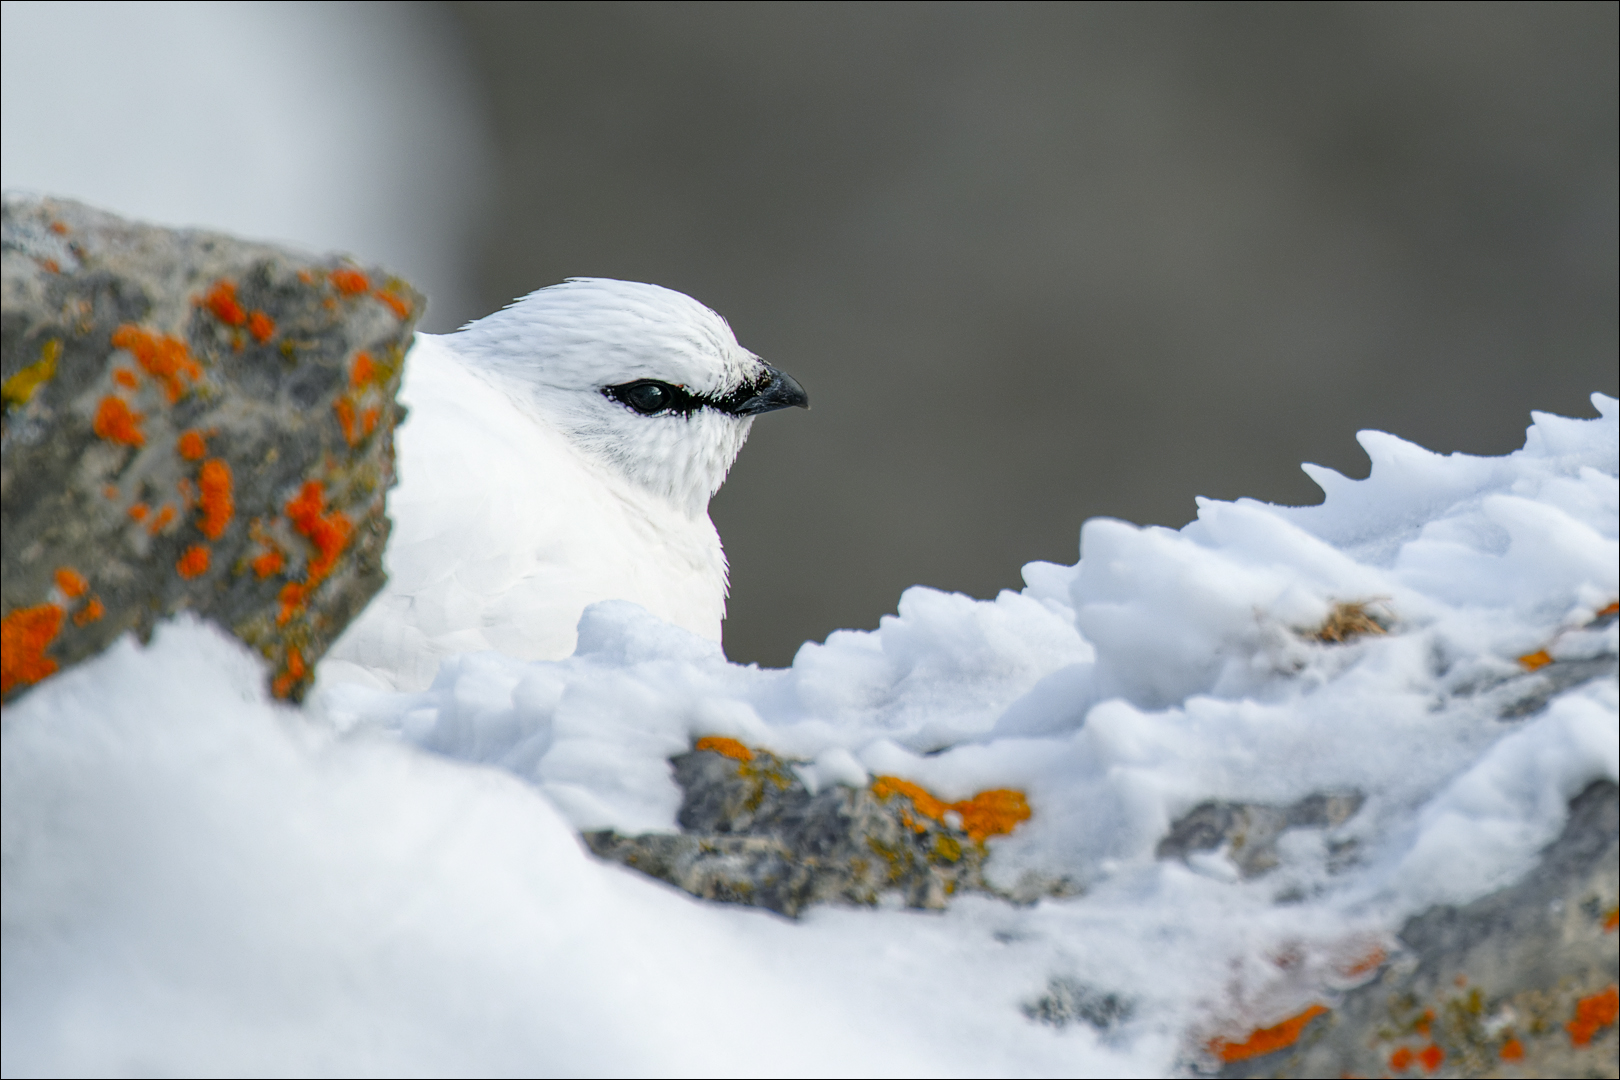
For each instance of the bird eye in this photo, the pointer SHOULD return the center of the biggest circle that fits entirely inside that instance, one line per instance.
(647, 397)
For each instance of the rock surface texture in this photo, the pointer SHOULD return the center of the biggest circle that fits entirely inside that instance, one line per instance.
(192, 423)
(1518, 983)
(754, 834)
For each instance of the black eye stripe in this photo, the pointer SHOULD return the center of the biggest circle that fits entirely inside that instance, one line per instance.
(650, 397)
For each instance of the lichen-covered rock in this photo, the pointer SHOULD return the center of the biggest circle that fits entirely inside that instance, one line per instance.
(192, 423)
(754, 834)
(1518, 983)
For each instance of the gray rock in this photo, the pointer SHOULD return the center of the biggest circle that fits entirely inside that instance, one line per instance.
(1070, 1001)
(192, 423)
(754, 834)
(1248, 831)
(1495, 987)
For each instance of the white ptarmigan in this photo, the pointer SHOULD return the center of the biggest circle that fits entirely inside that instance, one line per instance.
(559, 452)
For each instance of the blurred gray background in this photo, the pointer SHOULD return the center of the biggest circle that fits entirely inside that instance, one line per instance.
(1034, 263)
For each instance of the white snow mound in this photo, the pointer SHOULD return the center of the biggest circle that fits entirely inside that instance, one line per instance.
(197, 880)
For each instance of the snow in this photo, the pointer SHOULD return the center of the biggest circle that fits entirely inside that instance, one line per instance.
(200, 880)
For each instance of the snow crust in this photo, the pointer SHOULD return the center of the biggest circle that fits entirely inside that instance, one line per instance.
(197, 880)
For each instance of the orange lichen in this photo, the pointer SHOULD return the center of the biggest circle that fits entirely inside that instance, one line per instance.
(110, 491)
(1265, 1040)
(328, 531)
(165, 358)
(138, 511)
(1402, 1059)
(1594, 1012)
(993, 813)
(194, 562)
(125, 378)
(400, 306)
(59, 228)
(1512, 1050)
(117, 423)
(268, 562)
(191, 445)
(24, 636)
(51, 266)
(1612, 609)
(188, 492)
(368, 420)
(730, 748)
(1371, 961)
(1430, 1057)
(362, 371)
(261, 326)
(92, 610)
(345, 414)
(307, 276)
(885, 787)
(1421, 1026)
(989, 813)
(1611, 920)
(292, 599)
(217, 501)
(1535, 661)
(295, 671)
(221, 300)
(71, 582)
(350, 281)
(164, 516)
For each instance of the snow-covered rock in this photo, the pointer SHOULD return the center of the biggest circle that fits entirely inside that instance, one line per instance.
(197, 879)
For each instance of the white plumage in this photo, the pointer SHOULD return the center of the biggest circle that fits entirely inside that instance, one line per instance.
(559, 452)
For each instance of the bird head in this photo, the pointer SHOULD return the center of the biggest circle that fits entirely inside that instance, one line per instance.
(643, 379)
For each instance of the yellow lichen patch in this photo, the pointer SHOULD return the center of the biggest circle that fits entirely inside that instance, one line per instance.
(116, 422)
(1535, 661)
(218, 504)
(166, 359)
(1348, 621)
(71, 582)
(24, 636)
(1265, 1040)
(989, 813)
(20, 388)
(725, 747)
(193, 562)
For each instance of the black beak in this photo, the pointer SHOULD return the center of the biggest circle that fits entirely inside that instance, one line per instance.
(778, 390)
